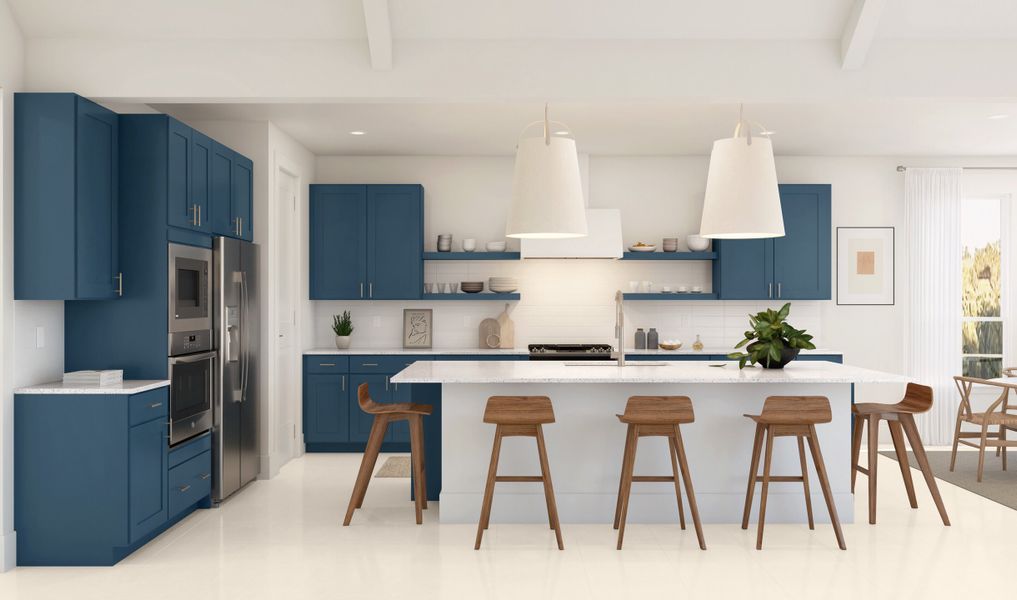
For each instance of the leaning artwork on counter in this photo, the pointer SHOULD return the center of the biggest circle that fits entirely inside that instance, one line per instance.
(417, 327)
(865, 272)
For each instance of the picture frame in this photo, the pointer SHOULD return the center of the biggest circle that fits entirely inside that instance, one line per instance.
(418, 327)
(865, 266)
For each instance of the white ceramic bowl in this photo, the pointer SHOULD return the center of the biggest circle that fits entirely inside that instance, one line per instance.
(697, 243)
(495, 246)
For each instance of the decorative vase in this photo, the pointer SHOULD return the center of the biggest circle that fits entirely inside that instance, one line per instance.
(786, 355)
(342, 342)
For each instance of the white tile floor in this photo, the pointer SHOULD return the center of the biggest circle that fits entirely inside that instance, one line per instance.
(282, 539)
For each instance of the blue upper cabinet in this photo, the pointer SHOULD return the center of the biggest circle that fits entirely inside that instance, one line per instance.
(183, 211)
(65, 198)
(241, 203)
(395, 241)
(794, 267)
(232, 184)
(201, 180)
(366, 242)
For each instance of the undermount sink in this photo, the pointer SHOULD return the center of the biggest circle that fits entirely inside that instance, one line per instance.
(614, 363)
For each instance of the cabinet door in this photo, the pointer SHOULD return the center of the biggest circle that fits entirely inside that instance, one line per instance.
(743, 269)
(201, 179)
(326, 408)
(395, 242)
(147, 477)
(338, 245)
(96, 186)
(381, 391)
(222, 191)
(178, 172)
(801, 259)
(243, 188)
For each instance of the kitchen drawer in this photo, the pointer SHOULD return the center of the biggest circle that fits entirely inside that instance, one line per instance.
(387, 364)
(325, 363)
(189, 449)
(153, 404)
(189, 482)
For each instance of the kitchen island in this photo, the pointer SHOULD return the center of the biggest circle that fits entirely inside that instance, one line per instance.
(585, 444)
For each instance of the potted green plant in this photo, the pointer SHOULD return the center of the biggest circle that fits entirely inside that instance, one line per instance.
(772, 342)
(342, 325)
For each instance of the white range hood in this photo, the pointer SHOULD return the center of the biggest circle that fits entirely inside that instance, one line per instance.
(603, 239)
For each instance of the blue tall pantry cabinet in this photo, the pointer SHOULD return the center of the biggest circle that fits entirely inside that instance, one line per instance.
(794, 267)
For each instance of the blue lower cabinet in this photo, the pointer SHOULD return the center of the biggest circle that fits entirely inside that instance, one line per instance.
(326, 408)
(91, 476)
(189, 483)
(380, 390)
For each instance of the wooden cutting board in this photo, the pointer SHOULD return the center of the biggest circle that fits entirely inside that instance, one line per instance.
(490, 334)
(508, 329)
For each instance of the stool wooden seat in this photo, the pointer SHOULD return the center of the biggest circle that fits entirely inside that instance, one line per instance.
(900, 419)
(787, 416)
(385, 413)
(519, 416)
(657, 416)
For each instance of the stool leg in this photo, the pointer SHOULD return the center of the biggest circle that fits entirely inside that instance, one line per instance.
(677, 482)
(956, 441)
(897, 433)
(621, 478)
(873, 461)
(545, 471)
(417, 463)
(805, 481)
(627, 485)
(856, 448)
(691, 493)
(492, 472)
(923, 462)
(766, 487)
(423, 457)
(817, 458)
(981, 452)
(753, 470)
(370, 458)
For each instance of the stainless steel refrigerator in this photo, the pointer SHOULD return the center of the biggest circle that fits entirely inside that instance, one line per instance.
(235, 449)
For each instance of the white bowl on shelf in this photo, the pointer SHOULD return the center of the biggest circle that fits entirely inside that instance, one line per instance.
(495, 246)
(697, 243)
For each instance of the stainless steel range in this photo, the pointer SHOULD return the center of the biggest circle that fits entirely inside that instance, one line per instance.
(570, 352)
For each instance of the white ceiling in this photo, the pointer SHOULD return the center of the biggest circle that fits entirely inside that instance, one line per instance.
(860, 129)
(509, 19)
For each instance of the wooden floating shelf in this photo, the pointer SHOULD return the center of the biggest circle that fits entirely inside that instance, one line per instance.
(669, 256)
(477, 296)
(471, 256)
(673, 296)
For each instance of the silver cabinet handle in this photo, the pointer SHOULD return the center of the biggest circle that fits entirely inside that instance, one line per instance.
(205, 476)
(769, 294)
(370, 290)
(368, 364)
(778, 289)
(361, 289)
(194, 215)
(326, 364)
(199, 215)
(184, 488)
(155, 405)
(386, 383)
(344, 384)
(120, 283)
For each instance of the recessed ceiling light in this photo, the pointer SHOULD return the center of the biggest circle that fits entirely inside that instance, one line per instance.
(561, 133)
(357, 132)
(767, 132)
(998, 117)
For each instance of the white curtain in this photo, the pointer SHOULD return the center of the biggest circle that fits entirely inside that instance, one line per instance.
(932, 205)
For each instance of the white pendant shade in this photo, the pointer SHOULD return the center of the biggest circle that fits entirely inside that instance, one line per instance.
(547, 191)
(742, 200)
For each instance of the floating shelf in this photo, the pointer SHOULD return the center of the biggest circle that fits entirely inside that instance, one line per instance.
(478, 296)
(669, 256)
(471, 256)
(673, 296)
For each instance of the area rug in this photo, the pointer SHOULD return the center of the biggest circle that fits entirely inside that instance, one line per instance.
(395, 466)
(997, 485)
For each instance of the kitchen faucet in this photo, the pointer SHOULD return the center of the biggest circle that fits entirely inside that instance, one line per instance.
(619, 327)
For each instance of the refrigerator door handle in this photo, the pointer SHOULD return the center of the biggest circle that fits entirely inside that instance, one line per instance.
(244, 325)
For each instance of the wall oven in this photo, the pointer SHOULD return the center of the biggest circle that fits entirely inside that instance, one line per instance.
(192, 394)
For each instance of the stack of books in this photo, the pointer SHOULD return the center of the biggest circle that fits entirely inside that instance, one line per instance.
(108, 378)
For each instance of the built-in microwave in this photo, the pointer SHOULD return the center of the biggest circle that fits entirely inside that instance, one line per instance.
(190, 292)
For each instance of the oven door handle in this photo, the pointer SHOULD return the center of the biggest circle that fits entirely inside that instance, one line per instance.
(193, 358)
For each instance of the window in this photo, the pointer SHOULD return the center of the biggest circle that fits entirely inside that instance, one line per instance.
(981, 238)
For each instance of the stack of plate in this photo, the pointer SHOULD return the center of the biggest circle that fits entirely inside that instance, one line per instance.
(503, 285)
(472, 287)
(670, 244)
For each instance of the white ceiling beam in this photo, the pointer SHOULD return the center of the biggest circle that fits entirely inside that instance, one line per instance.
(379, 33)
(859, 32)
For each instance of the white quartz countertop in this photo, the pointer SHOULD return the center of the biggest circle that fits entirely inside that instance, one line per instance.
(129, 386)
(522, 351)
(672, 372)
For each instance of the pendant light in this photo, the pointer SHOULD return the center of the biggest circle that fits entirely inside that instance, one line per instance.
(742, 200)
(547, 191)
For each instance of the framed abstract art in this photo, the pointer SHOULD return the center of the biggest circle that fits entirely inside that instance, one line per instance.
(865, 265)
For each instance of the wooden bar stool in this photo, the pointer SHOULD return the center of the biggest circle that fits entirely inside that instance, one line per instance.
(900, 419)
(657, 416)
(385, 413)
(787, 416)
(516, 416)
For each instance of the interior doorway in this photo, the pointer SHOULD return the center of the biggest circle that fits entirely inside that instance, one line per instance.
(285, 255)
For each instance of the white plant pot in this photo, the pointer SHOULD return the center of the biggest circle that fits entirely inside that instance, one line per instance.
(342, 342)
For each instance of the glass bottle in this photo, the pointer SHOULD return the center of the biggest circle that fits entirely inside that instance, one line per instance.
(698, 344)
(640, 339)
(652, 338)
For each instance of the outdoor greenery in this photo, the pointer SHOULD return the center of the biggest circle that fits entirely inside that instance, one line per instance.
(770, 334)
(342, 324)
(981, 299)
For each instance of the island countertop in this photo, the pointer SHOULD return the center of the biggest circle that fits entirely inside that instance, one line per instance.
(635, 372)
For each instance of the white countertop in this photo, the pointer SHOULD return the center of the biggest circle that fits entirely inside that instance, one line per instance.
(129, 386)
(672, 372)
(685, 350)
